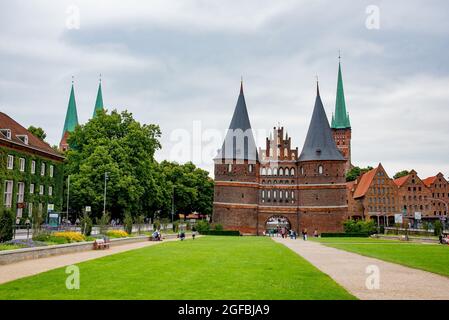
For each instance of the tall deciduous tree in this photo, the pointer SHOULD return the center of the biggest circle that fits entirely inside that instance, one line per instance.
(118, 145)
(38, 132)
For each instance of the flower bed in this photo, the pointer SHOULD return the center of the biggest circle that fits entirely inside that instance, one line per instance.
(117, 234)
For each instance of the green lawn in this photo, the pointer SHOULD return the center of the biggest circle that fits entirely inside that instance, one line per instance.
(206, 268)
(429, 257)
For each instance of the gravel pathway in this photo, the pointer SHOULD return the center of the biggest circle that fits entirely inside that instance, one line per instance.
(356, 274)
(27, 268)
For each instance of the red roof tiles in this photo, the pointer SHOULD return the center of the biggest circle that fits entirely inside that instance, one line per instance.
(365, 182)
(400, 181)
(7, 122)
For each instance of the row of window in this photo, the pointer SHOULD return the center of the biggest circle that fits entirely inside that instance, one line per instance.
(277, 195)
(280, 182)
(381, 200)
(8, 192)
(275, 172)
(438, 195)
(22, 162)
(382, 209)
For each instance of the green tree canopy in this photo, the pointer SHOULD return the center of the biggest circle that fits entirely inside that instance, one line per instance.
(400, 174)
(356, 172)
(136, 184)
(118, 145)
(38, 132)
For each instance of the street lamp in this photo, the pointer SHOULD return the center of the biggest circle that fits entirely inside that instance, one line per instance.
(173, 204)
(68, 195)
(106, 176)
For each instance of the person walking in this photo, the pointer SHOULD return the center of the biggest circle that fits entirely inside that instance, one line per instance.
(305, 234)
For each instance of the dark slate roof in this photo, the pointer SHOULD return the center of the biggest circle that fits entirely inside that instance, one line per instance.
(239, 142)
(319, 144)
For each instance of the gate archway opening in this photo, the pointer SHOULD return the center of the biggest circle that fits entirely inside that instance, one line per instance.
(275, 224)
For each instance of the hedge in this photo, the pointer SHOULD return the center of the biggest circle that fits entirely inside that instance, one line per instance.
(221, 233)
(343, 234)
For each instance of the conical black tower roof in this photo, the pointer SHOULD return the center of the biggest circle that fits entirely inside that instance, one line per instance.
(239, 142)
(319, 144)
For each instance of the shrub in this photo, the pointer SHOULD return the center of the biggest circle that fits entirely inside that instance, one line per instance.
(202, 226)
(117, 234)
(140, 220)
(103, 223)
(86, 225)
(70, 236)
(218, 227)
(156, 224)
(128, 223)
(437, 228)
(6, 225)
(360, 226)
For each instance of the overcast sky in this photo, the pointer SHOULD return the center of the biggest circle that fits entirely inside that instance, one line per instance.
(179, 63)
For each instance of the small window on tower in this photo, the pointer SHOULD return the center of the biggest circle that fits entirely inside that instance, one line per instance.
(250, 168)
(320, 169)
(229, 167)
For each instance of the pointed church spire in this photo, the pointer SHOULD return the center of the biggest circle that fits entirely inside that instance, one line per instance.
(71, 117)
(319, 144)
(340, 120)
(239, 142)
(99, 101)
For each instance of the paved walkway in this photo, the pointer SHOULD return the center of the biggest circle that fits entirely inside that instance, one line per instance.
(349, 270)
(26, 268)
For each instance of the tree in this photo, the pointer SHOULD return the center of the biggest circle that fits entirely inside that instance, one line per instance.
(119, 145)
(400, 174)
(6, 225)
(355, 172)
(37, 132)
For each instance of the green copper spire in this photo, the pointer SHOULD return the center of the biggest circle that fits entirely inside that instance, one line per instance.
(340, 120)
(99, 101)
(71, 117)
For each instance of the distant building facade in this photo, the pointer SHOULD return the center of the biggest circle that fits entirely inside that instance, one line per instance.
(31, 172)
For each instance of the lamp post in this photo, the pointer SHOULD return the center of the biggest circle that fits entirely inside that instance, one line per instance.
(68, 196)
(173, 204)
(106, 176)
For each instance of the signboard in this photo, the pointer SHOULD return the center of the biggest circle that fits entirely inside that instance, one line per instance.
(53, 219)
(88, 209)
(417, 215)
(398, 218)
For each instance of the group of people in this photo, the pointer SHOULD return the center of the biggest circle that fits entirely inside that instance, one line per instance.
(444, 239)
(285, 233)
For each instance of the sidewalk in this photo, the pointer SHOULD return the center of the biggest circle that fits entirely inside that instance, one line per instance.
(349, 270)
(31, 267)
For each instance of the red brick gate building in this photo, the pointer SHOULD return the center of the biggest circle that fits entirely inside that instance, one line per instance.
(308, 189)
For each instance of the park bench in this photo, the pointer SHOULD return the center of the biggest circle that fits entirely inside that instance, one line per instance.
(101, 244)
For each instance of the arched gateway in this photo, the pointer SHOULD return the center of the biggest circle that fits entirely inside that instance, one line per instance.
(276, 222)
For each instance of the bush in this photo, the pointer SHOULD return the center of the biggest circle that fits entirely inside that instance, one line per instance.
(156, 225)
(202, 226)
(103, 223)
(344, 235)
(437, 228)
(117, 234)
(360, 226)
(221, 233)
(128, 223)
(6, 225)
(218, 227)
(139, 220)
(70, 236)
(86, 225)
